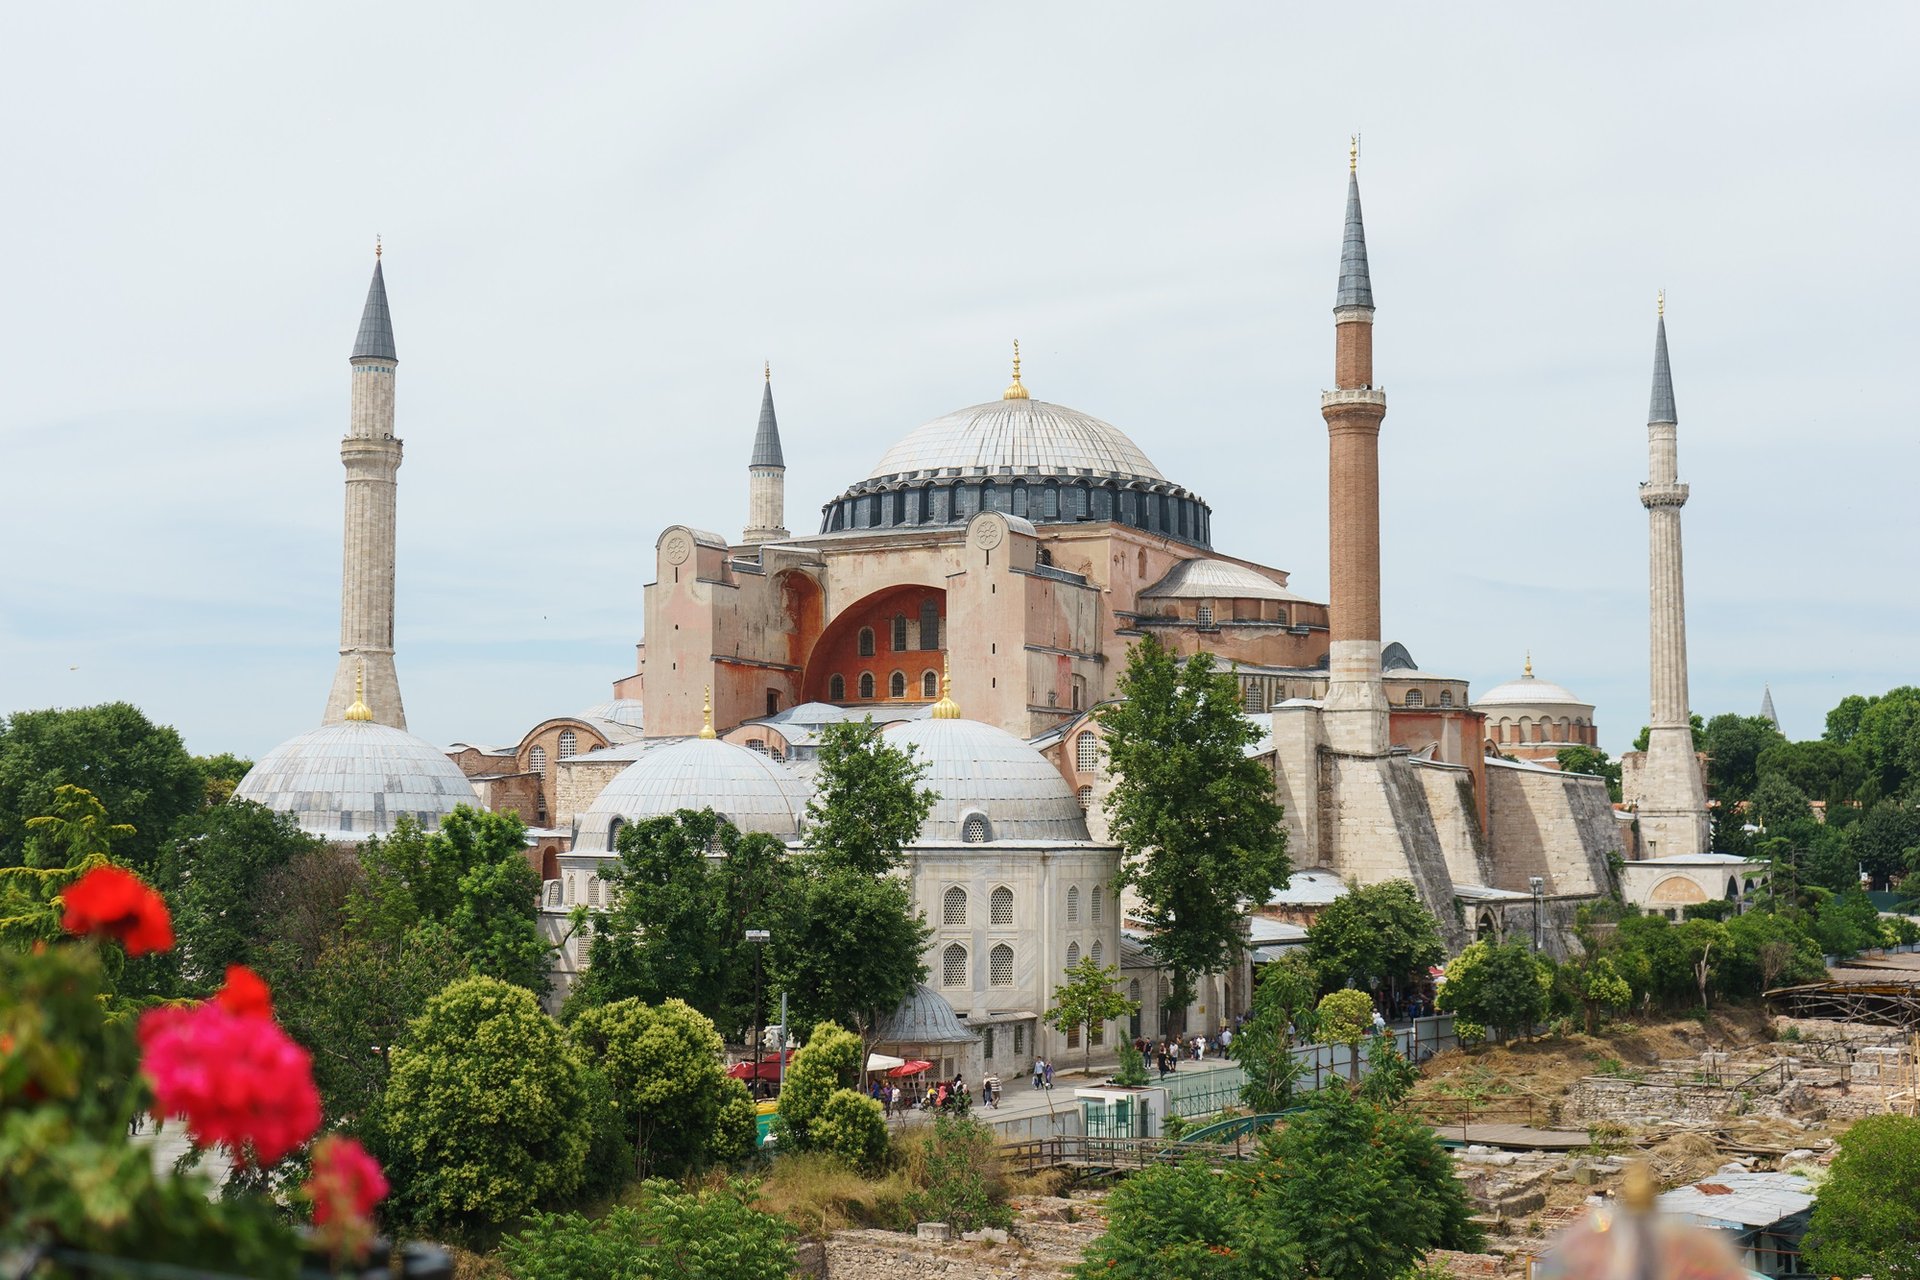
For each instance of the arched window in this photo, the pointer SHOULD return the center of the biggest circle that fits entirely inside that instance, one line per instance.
(537, 761)
(1086, 799)
(1415, 698)
(1073, 904)
(897, 685)
(866, 684)
(1001, 909)
(1086, 752)
(953, 966)
(1073, 954)
(569, 884)
(929, 624)
(1099, 952)
(1133, 990)
(1000, 966)
(866, 642)
(929, 684)
(553, 893)
(757, 744)
(953, 908)
(1446, 697)
(974, 830)
(899, 633)
(568, 743)
(613, 834)
(1093, 903)
(837, 689)
(593, 891)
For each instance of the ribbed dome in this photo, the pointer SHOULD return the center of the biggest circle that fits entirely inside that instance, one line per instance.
(979, 769)
(749, 789)
(1528, 691)
(351, 780)
(1018, 434)
(626, 711)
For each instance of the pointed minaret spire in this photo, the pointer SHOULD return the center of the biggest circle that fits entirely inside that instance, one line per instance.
(766, 473)
(1356, 286)
(1661, 409)
(1766, 706)
(375, 339)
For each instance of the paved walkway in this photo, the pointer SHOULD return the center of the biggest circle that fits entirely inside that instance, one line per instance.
(1019, 1099)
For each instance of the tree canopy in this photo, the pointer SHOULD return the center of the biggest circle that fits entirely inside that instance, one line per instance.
(1375, 935)
(1867, 1215)
(1500, 986)
(664, 1066)
(216, 871)
(868, 801)
(1196, 816)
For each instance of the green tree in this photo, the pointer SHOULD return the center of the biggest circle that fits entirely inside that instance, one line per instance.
(663, 1063)
(1767, 949)
(961, 1180)
(1390, 1076)
(1195, 814)
(1500, 986)
(830, 1060)
(1867, 1214)
(868, 802)
(1704, 943)
(1820, 769)
(1344, 1017)
(220, 860)
(1376, 935)
(485, 1116)
(852, 1127)
(1843, 722)
(1603, 989)
(221, 774)
(713, 1233)
(1885, 843)
(1591, 760)
(1889, 739)
(1085, 1000)
(1847, 923)
(1283, 998)
(139, 771)
(1734, 745)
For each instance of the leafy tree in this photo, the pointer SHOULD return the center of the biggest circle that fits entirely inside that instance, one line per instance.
(1283, 998)
(663, 1064)
(1733, 746)
(1201, 830)
(868, 802)
(472, 876)
(1602, 989)
(1889, 739)
(677, 925)
(851, 949)
(850, 1125)
(1847, 923)
(712, 1233)
(1500, 986)
(220, 860)
(1699, 734)
(138, 770)
(1591, 760)
(1699, 941)
(1390, 1077)
(1820, 769)
(484, 1117)
(1376, 935)
(1867, 1215)
(1085, 1000)
(221, 774)
(1886, 841)
(1344, 1017)
(1174, 1220)
(1767, 949)
(1843, 722)
(961, 1183)
(830, 1060)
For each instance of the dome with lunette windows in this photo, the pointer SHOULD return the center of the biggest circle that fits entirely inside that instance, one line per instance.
(991, 785)
(356, 779)
(746, 787)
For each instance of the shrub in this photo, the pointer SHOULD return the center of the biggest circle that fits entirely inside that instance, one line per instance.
(957, 1170)
(852, 1127)
(1345, 1016)
(663, 1063)
(828, 1061)
(711, 1234)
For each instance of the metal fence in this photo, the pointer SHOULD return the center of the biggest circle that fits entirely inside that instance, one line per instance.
(1207, 1092)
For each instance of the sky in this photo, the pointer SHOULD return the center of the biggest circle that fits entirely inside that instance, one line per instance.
(600, 219)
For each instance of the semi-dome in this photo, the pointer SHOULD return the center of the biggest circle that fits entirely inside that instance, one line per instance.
(355, 779)
(625, 711)
(749, 789)
(992, 786)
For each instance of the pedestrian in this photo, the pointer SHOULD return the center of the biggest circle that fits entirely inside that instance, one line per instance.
(886, 1100)
(1163, 1062)
(1048, 1070)
(1379, 1023)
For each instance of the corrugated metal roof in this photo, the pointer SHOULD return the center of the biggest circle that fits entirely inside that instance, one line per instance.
(1740, 1200)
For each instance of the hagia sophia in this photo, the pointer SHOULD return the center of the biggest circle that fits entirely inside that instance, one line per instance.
(894, 609)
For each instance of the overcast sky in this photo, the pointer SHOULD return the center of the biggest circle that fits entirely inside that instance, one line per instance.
(600, 219)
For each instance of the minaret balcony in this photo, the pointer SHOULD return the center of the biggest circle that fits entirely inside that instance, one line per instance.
(1663, 495)
(1353, 395)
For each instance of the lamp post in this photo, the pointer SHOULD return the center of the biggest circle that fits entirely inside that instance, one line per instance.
(1539, 887)
(758, 938)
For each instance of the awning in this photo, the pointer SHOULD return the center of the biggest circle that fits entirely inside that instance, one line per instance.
(883, 1062)
(769, 1068)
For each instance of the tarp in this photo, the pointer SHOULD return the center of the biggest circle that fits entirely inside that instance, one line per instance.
(769, 1067)
(883, 1062)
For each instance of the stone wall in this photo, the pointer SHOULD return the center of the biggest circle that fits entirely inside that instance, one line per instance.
(1375, 826)
(1456, 820)
(1542, 822)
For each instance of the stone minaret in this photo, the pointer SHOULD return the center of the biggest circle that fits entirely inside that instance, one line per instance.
(1356, 703)
(1672, 799)
(371, 455)
(766, 476)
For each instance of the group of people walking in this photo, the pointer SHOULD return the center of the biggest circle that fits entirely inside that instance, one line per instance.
(1170, 1051)
(951, 1096)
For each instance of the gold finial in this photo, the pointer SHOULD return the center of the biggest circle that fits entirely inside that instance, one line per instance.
(769, 371)
(1016, 391)
(1660, 304)
(1353, 153)
(946, 708)
(1528, 670)
(706, 710)
(360, 710)
(376, 246)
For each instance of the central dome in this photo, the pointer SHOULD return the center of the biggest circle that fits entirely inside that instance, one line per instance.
(1021, 435)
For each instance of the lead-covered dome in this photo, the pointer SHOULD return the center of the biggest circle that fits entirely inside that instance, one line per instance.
(1530, 691)
(992, 786)
(355, 779)
(1018, 434)
(749, 789)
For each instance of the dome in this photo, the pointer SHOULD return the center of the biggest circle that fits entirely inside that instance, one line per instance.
(1528, 691)
(1020, 434)
(351, 780)
(626, 711)
(1203, 578)
(924, 1017)
(977, 769)
(749, 789)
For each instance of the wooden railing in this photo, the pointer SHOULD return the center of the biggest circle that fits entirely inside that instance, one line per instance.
(1114, 1154)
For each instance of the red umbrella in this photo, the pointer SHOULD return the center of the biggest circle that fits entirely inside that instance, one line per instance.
(912, 1068)
(769, 1068)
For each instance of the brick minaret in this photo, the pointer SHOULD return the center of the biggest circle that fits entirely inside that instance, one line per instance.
(1672, 804)
(371, 455)
(766, 476)
(1356, 703)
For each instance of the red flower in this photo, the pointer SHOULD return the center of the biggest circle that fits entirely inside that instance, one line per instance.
(236, 1078)
(245, 993)
(117, 903)
(346, 1183)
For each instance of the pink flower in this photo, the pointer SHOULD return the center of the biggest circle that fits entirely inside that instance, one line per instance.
(236, 1078)
(346, 1183)
(117, 903)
